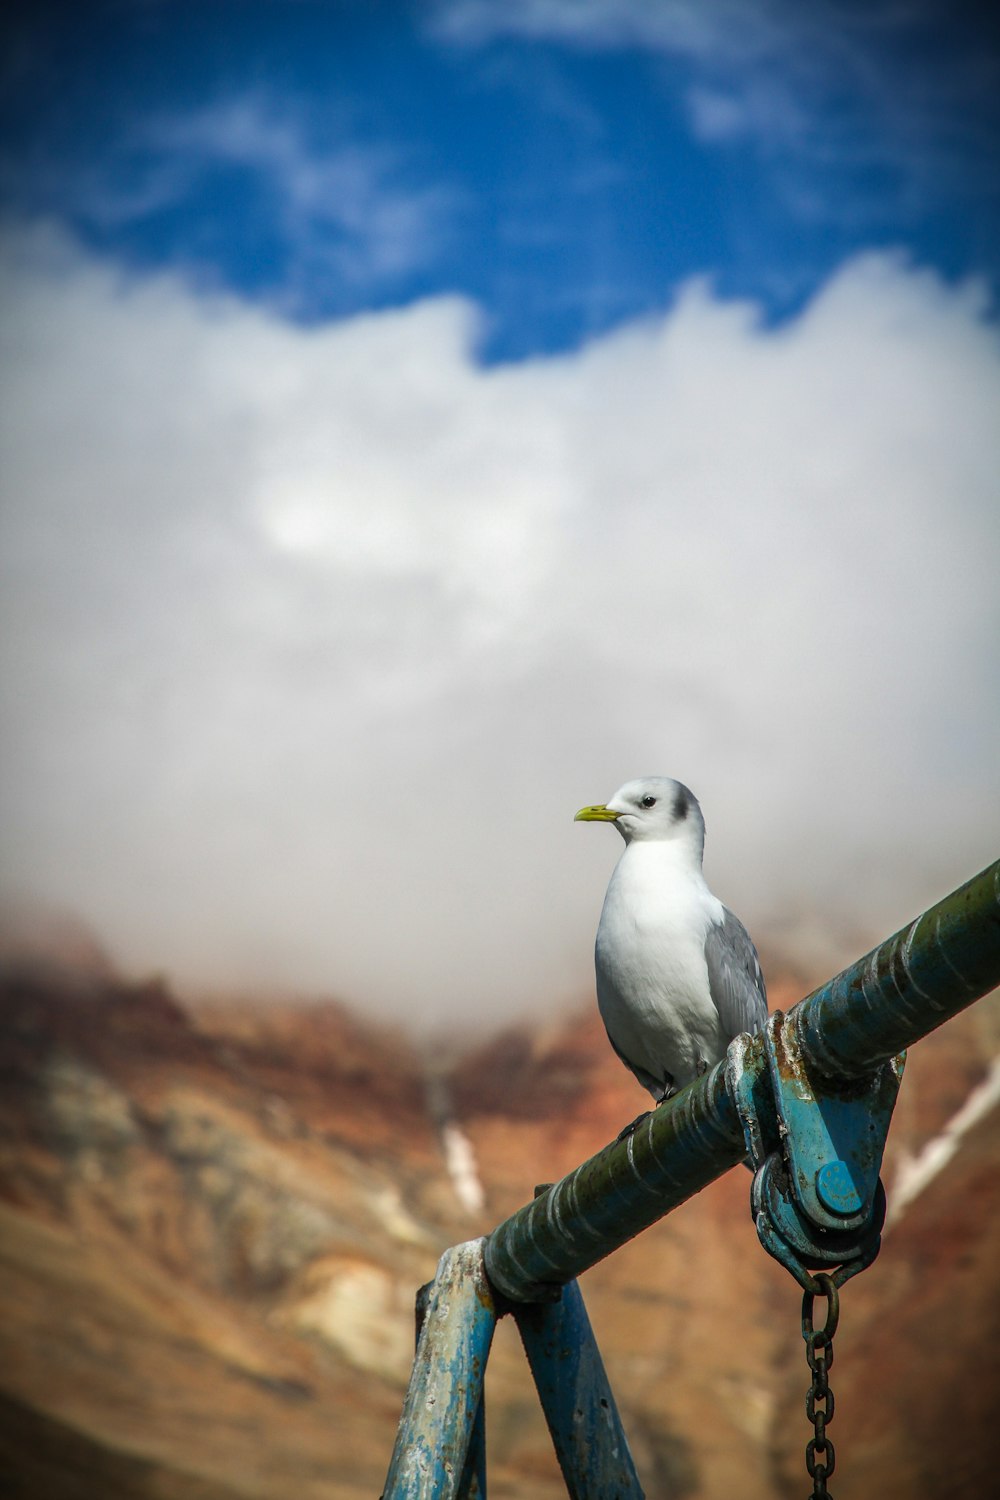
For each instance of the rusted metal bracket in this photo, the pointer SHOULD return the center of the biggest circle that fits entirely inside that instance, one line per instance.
(816, 1146)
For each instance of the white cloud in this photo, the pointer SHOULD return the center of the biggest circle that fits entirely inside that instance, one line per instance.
(716, 116)
(882, 88)
(353, 192)
(316, 639)
(692, 27)
(342, 212)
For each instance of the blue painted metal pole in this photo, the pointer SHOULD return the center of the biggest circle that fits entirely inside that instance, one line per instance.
(472, 1485)
(430, 1459)
(906, 987)
(576, 1398)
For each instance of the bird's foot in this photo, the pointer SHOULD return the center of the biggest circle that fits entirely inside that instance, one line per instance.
(702, 1066)
(623, 1135)
(669, 1090)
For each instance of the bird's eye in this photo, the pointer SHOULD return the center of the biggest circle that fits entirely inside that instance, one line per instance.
(648, 802)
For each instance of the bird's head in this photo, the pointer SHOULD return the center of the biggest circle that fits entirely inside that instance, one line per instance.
(654, 808)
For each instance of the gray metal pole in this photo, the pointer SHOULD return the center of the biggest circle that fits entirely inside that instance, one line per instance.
(903, 989)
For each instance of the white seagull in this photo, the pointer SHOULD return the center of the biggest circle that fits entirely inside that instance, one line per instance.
(678, 976)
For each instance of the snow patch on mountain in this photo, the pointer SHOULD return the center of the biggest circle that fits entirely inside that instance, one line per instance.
(914, 1173)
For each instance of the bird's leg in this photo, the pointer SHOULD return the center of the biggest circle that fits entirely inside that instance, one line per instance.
(702, 1066)
(669, 1090)
(624, 1134)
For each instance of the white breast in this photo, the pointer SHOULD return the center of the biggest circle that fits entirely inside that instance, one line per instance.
(652, 978)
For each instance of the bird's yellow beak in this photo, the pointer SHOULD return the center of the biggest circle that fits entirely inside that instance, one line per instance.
(597, 814)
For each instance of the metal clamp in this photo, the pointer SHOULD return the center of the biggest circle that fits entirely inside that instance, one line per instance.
(816, 1147)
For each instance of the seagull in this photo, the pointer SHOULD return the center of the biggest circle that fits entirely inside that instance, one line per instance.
(678, 976)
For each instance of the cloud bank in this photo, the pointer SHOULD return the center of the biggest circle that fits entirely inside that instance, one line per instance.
(315, 639)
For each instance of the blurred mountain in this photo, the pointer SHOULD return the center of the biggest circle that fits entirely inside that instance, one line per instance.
(213, 1220)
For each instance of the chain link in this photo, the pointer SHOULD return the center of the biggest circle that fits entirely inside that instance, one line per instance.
(820, 1456)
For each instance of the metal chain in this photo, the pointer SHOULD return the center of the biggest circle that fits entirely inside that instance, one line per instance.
(820, 1456)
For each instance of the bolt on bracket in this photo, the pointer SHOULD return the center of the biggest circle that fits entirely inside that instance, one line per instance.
(816, 1147)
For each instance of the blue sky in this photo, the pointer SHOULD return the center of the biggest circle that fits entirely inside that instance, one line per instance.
(420, 420)
(566, 165)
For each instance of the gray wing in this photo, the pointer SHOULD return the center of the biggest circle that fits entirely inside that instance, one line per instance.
(734, 976)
